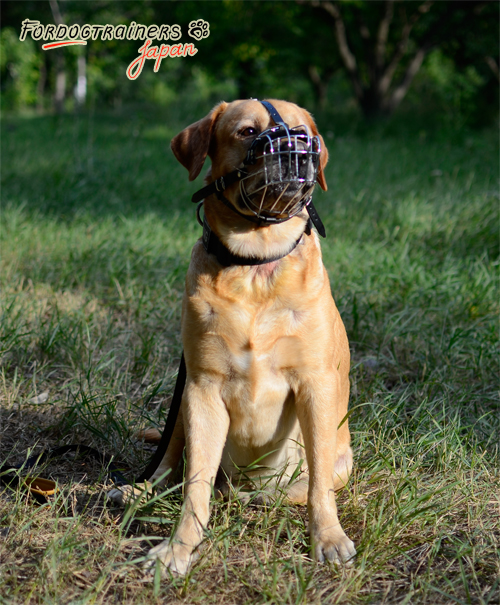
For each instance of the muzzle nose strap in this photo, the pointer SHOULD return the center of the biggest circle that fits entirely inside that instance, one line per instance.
(278, 120)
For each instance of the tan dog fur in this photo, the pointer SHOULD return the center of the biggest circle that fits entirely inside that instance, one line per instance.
(266, 352)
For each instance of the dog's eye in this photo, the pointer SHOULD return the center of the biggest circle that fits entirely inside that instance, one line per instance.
(248, 132)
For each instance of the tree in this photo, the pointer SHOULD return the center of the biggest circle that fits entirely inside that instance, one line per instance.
(261, 49)
(383, 45)
(60, 92)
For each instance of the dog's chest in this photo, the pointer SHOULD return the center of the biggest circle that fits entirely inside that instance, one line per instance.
(252, 347)
(251, 337)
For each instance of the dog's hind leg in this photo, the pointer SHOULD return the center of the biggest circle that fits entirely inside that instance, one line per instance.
(167, 467)
(296, 493)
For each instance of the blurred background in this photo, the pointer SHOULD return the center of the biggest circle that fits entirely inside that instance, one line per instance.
(348, 62)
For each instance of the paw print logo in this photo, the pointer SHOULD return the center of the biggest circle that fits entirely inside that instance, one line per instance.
(199, 29)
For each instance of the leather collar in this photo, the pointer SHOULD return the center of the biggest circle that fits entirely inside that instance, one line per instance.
(226, 258)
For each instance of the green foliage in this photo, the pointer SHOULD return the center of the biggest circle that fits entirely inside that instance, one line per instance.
(263, 49)
(448, 91)
(20, 68)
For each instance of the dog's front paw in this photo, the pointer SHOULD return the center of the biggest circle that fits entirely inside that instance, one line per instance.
(124, 494)
(176, 558)
(333, 545)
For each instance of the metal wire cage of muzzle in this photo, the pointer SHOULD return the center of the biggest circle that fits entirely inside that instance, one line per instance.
(284, 181)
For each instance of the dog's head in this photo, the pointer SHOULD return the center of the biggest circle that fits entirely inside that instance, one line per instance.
(281, 168)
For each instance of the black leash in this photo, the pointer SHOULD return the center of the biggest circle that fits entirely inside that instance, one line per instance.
(168, 430)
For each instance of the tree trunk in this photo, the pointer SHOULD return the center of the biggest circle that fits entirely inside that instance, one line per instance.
(60, 92)
(493, 65)
(320, 85)
(40, 89)
(81, 82)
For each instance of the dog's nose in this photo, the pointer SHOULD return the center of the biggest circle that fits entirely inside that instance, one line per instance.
(296, 166)
(286, 145)
(293, 144)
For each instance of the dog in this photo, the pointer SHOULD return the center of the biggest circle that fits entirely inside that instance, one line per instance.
(266, 351)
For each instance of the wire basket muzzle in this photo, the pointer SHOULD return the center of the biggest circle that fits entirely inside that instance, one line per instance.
(287, 168)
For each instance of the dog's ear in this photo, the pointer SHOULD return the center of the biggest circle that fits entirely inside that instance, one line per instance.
(191, 145)
(323, 158)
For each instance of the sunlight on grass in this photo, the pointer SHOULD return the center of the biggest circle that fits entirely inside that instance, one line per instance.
(97, 228)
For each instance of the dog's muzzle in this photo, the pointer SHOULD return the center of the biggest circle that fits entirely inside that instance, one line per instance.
(287, 161)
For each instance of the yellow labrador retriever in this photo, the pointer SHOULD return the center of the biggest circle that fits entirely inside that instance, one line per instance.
(266, 351)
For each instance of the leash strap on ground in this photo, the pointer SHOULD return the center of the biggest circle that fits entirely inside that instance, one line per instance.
(175, 405)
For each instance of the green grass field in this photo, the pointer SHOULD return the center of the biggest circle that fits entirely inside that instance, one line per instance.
(96, 234)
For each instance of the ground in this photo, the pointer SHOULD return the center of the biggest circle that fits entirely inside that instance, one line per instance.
(96, 233)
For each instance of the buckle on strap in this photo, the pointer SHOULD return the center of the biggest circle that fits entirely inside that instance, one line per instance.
(220, 185)
(207, 234)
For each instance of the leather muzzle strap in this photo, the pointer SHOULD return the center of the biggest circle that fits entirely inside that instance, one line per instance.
(278, 120)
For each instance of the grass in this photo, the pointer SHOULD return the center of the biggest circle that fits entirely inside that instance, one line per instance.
(96, 234)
